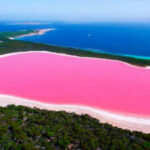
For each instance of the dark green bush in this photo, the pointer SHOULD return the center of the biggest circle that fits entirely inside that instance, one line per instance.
(23, 128)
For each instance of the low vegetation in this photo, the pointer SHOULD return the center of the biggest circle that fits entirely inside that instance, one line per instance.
(6, 35)
(23, 128)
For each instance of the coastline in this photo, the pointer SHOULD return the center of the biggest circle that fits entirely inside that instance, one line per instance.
(67, 55)
(43, 31)
(116, 120)
(35, 32)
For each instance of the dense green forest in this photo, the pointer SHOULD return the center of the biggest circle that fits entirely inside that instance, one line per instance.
(10, 46)
(23, 128)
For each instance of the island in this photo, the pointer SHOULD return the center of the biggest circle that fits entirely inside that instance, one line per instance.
(28, 23)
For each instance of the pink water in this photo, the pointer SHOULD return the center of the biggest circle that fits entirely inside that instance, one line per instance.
(57, 79)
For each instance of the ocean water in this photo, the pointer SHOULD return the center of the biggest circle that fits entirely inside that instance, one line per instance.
(120, 39)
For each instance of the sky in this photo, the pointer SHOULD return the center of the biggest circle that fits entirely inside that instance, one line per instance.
(75, 10)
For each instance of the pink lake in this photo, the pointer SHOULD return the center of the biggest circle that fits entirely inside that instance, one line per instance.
(56, 79)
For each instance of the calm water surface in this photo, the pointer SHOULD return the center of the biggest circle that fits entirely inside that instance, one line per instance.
(122, 39)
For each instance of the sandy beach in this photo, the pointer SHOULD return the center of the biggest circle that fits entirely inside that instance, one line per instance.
(117, 120)
(36, 32)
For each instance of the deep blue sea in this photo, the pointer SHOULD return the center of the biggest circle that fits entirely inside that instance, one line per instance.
(121, 39)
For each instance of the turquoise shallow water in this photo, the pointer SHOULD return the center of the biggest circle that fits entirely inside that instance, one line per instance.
(131, 40)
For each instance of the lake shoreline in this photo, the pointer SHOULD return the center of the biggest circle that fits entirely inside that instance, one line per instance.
(116, 120)
(69, 55)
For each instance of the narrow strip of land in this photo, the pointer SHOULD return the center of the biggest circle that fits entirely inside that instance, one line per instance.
(35, 32)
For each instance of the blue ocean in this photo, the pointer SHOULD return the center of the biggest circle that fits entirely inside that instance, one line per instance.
(114, 38)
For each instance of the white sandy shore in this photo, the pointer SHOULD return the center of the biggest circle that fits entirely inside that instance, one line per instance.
(67, 55)
(124, 122)
(35, 32)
